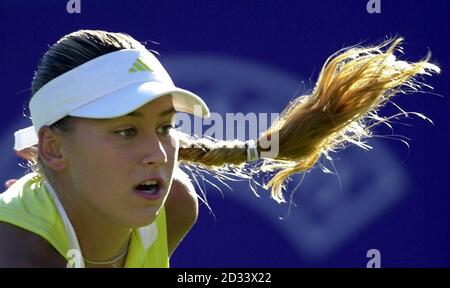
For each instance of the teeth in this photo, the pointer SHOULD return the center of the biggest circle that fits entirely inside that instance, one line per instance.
(149, 187)
(149, 182)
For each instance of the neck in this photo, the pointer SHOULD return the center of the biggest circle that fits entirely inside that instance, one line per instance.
(100, 240)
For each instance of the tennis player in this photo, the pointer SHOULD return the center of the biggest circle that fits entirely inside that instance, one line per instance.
(108, 191)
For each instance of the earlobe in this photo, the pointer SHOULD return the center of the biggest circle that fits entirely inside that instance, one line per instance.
(50, 149)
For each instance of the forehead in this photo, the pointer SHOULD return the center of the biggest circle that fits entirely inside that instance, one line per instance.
(158, 108)
(161, 107)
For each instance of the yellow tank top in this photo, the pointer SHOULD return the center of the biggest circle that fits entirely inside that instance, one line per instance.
(31, 204)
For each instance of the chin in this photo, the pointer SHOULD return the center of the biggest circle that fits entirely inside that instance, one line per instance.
(144, 217)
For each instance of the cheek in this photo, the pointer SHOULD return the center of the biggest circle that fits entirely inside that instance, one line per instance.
(96, 164)
(171, 149)
(174, 145)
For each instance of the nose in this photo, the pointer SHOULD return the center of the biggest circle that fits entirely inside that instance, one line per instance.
(154, 152)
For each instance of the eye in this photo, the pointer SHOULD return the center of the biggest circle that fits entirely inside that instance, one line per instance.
(126, 133)
(165, 129)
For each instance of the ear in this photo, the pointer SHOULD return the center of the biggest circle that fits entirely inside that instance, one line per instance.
(50, 149)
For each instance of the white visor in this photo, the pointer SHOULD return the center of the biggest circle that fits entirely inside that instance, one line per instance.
(109, 86)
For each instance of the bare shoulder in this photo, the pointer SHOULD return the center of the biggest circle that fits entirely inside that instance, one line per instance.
(182, 199)
(22, 248)
(181, 209)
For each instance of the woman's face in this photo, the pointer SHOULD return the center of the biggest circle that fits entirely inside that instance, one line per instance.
(114, 164)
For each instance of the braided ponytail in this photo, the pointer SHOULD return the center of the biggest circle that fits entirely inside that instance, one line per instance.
(353, 85)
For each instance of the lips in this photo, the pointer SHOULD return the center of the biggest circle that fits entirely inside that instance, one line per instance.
(150, 188)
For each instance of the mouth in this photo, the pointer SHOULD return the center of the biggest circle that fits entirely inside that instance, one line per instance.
(150, 189)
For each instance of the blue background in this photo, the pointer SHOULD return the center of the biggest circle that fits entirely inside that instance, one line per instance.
(254, 56)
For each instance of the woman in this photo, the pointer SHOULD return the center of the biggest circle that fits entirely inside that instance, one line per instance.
(108, 192)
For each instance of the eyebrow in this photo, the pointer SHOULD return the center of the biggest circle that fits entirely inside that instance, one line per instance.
(169, 111)
(161, 114)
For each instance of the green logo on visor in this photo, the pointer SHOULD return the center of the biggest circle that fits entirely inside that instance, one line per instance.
(139, 65)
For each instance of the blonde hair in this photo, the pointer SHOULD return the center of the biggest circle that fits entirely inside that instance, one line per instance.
(353, 85)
